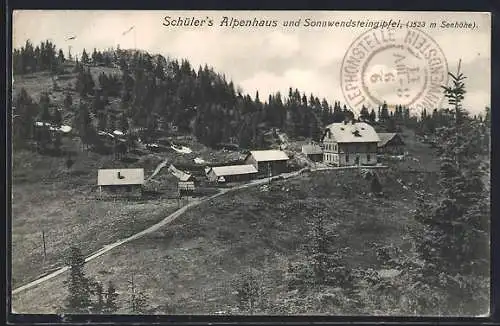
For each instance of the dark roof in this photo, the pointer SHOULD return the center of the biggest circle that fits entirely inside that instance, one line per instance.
(386, 137)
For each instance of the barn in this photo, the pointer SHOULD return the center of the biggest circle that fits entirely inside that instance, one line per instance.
(268, 161)
(313, 152)
(231, 173)
(124, 182)
(390, 143)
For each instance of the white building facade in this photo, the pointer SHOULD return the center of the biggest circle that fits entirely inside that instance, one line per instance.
(350, 143)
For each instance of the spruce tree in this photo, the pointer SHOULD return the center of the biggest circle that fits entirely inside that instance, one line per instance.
(79, 286)
(364, 114)
(455, 239)
(85, 57)
(372, 116)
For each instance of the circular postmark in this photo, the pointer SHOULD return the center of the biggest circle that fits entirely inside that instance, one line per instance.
(394, 66)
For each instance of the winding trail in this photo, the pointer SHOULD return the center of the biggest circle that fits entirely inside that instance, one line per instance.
(150, 229)
(171, 218)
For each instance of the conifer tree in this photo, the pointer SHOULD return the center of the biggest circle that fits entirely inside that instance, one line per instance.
(455, 239)
(79, 286)
(111, 297)
(364, 114)
(85, 57)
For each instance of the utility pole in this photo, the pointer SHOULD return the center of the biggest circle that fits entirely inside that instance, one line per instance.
(44, 247)
(132, 296)
(135, 45)
(269, 172)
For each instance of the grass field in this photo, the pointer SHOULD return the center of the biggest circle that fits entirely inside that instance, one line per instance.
(50, 200)
(189, 266)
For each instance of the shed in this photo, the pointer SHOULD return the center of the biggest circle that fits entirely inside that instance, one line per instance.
(313, 152)
(390, 143)
(231, 173)
(120, 181)
(268, 161)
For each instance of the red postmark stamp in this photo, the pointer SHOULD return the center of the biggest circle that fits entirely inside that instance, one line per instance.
(396, 66)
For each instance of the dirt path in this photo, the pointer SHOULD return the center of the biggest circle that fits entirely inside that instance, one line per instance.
(166, 221)
(151, 229)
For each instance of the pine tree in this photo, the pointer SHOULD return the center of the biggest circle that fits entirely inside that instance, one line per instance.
(364, 114)
(79, 286)
(23, 117)
(68, 101)
(384, 113)
(250, 292)
(57, 119)
(83, 124)
(372, 116)
(85, 57)
(455, 237)
(111, 297)
(60, 57)
(44, 105)
(99, 306)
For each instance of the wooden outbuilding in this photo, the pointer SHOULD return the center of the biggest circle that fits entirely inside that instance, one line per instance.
(231, 173)
(313, 152)
(120, 182)
(269, 162)
(390, 143)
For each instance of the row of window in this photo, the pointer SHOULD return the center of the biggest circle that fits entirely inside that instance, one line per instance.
(334, 158)
(351, 148)
(331, 147)
(331, 157)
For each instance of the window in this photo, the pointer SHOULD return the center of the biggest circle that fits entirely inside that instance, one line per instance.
(347, 157)
(335, 147)
(368, 157)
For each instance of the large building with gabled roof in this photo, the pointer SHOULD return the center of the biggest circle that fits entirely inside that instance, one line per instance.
(350, 143)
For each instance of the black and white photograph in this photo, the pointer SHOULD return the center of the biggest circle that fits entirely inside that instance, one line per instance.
(261, 163)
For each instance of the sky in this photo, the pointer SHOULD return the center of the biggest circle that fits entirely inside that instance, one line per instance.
(263, 58)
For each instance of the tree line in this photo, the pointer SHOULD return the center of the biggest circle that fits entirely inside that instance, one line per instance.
(151, 93)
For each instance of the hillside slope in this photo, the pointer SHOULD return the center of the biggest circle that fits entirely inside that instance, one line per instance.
(190, 267)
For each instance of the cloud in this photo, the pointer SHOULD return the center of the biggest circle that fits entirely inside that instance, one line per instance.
(307, 81)
(279, 44)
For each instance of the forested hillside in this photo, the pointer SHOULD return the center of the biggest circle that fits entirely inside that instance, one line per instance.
(135, 91)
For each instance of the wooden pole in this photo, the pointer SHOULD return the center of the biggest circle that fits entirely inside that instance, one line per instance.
(44, 247)
(132, 296)
(269, 172)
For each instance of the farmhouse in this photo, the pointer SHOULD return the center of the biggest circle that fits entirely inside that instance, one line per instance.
(120, 181)
(231, 173)
(350, 143)
(390, 143)
(268, 161)
(313, 152)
